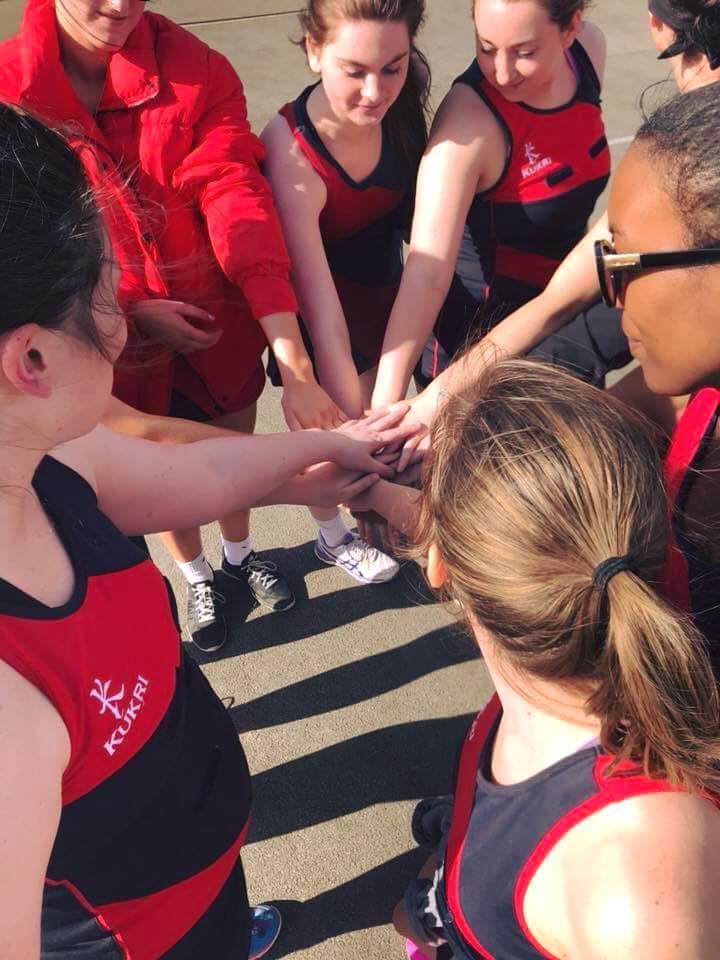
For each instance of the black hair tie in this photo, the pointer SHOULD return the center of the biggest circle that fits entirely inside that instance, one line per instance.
(605, 571)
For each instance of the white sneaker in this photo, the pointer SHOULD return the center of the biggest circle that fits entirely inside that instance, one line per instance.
(358, 558)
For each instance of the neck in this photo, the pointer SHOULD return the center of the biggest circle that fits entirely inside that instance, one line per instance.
(18, 462)
(87, 64)
(542, 722)
(331, 126)
(692, 74)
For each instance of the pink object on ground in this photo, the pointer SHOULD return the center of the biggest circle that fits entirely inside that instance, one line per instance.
(413, 952)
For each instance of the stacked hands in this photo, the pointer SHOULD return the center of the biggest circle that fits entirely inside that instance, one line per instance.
(374, 471)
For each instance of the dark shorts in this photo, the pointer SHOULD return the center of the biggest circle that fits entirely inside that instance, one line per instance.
(361, 363)
(590, 346)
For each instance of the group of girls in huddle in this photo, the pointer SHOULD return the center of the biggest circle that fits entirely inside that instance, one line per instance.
(585, 820)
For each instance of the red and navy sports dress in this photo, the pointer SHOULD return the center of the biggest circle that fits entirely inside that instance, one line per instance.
(363, 225)
(690, 581)
(517, 232)
(156, 796)
(500, 836)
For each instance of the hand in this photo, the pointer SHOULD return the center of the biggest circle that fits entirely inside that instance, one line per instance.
(360, 439)
(305, 404)
(179, 326)
(328, 485)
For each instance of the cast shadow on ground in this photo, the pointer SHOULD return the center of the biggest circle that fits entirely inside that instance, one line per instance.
(361, 903)
(358, 681)
(402, 762)
(311, 616)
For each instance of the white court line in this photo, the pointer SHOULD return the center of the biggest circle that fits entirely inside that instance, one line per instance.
(618, 140)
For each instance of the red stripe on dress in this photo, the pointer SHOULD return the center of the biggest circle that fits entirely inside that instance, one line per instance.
(464, 797)
(148, 927)
(686, 440)
(610, 790)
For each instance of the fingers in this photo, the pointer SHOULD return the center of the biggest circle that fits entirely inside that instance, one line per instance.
(197, 315)
(411, 452)
(292, 421)
(387, 437)
(381, 420)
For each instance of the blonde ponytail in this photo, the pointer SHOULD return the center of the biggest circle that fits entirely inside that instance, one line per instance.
(534, 481)
(659, 698)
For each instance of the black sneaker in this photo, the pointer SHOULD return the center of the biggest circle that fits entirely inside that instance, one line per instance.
(207, 625)
(266, 583)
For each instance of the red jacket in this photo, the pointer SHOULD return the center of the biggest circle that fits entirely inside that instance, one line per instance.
(190, 215)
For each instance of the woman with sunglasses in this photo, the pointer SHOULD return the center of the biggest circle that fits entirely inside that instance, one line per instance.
(687, 34)
(662, 270)
(161, 125)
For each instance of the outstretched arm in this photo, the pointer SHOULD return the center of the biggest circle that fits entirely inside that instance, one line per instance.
(145, 487)
(465, 153)
(300, 196)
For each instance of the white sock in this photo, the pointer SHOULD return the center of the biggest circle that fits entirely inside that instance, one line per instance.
(237, 550)
(196, 570)
(333, 530)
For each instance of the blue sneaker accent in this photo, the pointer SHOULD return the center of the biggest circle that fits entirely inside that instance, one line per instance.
(357, 558)
(264, 930)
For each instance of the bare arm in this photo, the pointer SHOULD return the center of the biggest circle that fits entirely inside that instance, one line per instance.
(300, 196)
(34, 750)
(465, 154)
(145, 487)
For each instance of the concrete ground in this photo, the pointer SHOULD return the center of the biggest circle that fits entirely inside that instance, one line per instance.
(352, 705)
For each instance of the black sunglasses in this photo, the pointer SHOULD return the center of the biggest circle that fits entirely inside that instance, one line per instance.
(613, 267)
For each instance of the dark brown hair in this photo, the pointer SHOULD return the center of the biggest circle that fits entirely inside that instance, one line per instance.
(407, 118)
(534, 480)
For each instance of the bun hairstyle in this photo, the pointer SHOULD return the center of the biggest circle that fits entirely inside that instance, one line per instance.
(697, 27)
(407, 119)
(534, 481)
(51, 236)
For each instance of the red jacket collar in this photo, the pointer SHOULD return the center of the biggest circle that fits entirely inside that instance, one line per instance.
(133, 74)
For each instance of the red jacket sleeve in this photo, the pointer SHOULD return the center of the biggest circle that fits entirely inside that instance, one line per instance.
(222, 175)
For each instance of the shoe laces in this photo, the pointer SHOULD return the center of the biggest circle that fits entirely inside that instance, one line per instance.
(205, 597)
(262, 572)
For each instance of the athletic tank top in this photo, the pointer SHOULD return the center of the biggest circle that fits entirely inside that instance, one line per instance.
(557, 164)
(689, 580)
(363, 225)
(500, 835)
(156, 795)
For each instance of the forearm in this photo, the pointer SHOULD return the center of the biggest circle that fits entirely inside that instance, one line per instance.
(419, 301)
(338, 375)
(196, 482)
(399, 505)
(283, 334)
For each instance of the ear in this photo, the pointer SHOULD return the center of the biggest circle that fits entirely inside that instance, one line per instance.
(436, 572)
(660, 33)
(570, 33)
(22, 361)
(312, 51)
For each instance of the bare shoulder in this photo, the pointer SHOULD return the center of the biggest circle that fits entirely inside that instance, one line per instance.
(29, 725)
(276, 132)
(81, 454)
(467, 137)
(643, 877)
(464, 117)
(593, 39)
(293, 179)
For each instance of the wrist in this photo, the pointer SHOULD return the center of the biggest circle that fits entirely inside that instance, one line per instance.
(295, 371)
